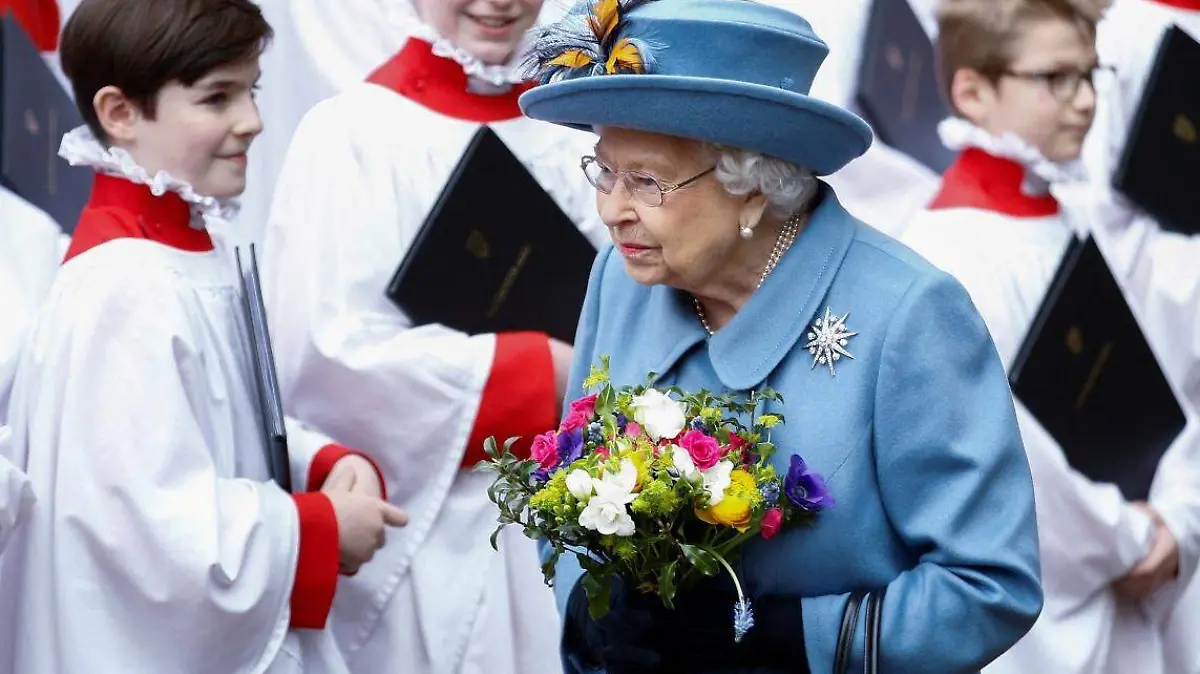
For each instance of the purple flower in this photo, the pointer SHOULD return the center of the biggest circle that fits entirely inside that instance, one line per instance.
(621, 421)
(540, 476)
(570, 446)
(806, 490)
(770, 492)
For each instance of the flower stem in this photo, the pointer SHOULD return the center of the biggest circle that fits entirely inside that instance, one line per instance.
(736, 584)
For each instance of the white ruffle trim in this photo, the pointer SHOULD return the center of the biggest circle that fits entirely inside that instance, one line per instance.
(958, 134)
(81, 148)
(403, 15)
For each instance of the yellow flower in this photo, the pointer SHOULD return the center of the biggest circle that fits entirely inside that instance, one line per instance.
(735, 509)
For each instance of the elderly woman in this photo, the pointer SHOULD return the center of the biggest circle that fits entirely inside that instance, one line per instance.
(731, 266)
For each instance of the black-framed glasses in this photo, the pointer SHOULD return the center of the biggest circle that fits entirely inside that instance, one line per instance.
(1063, 83)
(644, 187)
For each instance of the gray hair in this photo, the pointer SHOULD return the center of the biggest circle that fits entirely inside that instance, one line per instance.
(788, 188)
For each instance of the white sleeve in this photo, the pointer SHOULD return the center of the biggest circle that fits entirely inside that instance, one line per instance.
(16, 496)
(350, 364)
(1088, 534)
(143, 554)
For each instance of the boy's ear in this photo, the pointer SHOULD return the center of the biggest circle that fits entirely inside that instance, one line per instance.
(972, 95)
(117, 114)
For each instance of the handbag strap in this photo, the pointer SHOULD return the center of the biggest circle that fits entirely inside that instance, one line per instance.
(874, 621)
(845, 642)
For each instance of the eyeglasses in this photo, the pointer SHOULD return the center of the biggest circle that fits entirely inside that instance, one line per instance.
(1063, 84)
(644, 187)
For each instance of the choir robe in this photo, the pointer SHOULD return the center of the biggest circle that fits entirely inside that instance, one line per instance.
(1158, 269)
(157, 543)
(884, 187)
(364, 169)
(999, 231)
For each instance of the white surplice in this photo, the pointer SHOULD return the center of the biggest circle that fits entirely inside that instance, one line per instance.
(1088, 534)
(157, 543)
(363, 170)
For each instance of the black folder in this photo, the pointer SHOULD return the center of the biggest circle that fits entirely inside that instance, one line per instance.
(263, 359)
(495, 253)
(1160, 165)
(898, 89)
(35, 111)
(1086, 371)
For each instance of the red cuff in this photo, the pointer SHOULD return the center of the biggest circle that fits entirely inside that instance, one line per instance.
(317, 566)
(322, 466)
(519, 398)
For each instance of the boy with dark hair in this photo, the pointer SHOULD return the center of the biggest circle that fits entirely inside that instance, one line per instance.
(158, 543)
(1019, 78)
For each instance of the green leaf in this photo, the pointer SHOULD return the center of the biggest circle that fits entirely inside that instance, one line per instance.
(489, 448)
(495, 535)
(596, 588)
(606, 402)
(509, 443)
(549, 565)
(666, 584)
(702, 560)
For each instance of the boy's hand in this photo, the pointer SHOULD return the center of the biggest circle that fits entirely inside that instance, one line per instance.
(362, 522)
(354, 474)
(1159, 567)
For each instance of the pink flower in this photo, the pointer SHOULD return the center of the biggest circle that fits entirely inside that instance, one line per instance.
(545, 450)
(575, 420)
(586, 405)
(703, 448)
(771, 521)
(633, 430)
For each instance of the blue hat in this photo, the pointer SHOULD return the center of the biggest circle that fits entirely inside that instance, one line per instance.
(732, 72)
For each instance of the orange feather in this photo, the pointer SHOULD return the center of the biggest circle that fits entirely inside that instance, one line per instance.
(606, 14)
(571, 58)
(625, 57)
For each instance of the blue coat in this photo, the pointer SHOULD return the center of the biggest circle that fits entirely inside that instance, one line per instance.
(916, 437)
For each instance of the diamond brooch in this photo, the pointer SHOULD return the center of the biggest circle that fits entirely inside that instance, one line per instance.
(828, 339)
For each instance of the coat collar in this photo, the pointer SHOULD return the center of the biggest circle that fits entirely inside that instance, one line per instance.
(747, 349)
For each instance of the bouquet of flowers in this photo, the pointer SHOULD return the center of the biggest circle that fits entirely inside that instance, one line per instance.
(657, 486)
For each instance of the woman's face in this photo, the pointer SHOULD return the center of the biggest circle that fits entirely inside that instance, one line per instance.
(489, 30)
(691, 240)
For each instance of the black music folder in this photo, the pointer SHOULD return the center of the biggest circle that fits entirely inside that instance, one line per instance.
(495, 253)
(898, 84)
(263, 358)
(35, 112)
(1160, 165)
(1086, 371)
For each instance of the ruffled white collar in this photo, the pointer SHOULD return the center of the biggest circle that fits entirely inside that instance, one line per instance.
(403, 15)
(1040, 173)
(81, 148)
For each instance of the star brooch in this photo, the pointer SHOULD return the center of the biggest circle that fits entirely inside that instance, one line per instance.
(828, 339)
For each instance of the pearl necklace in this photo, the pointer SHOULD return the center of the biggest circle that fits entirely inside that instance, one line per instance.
(787, 236)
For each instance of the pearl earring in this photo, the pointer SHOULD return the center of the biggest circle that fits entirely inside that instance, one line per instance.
(745, 231)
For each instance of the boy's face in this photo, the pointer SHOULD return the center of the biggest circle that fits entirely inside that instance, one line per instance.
(201, 133)
(1045, 96)
(489, 30)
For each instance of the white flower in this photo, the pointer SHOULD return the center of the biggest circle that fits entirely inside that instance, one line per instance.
(606, 511)
(658, 414)
(617, 485)
(717, 480)
(579, 483)
(606, 516)
(684, 464)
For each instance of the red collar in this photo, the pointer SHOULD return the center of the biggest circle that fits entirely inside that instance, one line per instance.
(1189, 5)
(39, 18)
(120, 209)
(440, 84)
(977, 179)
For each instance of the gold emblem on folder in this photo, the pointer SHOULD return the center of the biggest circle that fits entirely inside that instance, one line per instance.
(478, 246)
(1184, 129)
(1075, 340)
(31, 123)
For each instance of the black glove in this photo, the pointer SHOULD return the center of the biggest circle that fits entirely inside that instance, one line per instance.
(699, 632)
(625, 640)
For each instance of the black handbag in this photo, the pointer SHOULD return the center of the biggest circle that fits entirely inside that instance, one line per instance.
(845, 642)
